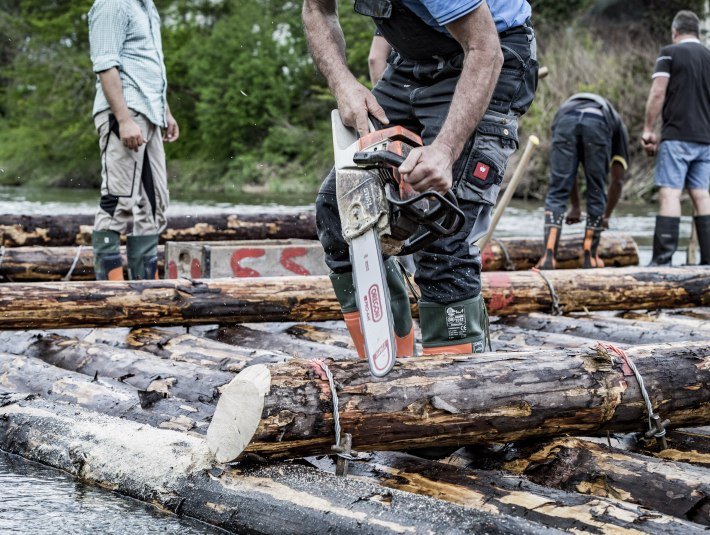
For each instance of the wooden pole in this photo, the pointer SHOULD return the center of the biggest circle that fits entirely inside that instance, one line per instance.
(285, 410)
(55, 305)
(533, 141)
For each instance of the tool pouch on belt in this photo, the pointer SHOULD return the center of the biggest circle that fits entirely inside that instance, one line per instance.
(480, 169)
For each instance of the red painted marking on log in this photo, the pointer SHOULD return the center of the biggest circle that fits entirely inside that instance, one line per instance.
(195, 269)
(487, 256)
(172, 270)
(241, 254)
(502, 289)
(294, 252)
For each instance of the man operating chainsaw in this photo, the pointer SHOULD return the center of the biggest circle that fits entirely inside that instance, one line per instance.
(461, 74)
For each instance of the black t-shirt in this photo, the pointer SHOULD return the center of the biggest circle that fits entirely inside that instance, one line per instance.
(619, 133)
(686, 109)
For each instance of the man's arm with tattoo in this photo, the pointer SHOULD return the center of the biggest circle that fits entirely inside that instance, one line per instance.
(327, 46)
(430, 167)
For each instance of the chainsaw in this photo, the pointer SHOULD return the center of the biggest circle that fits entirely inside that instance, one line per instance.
(381, 214)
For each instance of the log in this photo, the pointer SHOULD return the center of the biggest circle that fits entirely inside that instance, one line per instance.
(107, 396)
(687, 445)
(174, 470)
(34, 264)
(507, 338)
(142, 370)
(666, 318)
(245, 335)
(505, 493)
(170, 302)
(615, 248)
(63, 230)
(184, 347)
(609, 329)
(676, 489)
(449, 400)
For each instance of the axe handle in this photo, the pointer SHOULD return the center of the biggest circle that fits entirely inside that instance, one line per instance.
(533, 142)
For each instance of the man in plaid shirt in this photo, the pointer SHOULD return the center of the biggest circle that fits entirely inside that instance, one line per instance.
(130, 110)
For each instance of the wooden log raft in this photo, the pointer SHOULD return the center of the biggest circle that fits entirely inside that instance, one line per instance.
(62, 230)
(40, 263)
(616, 250)
(500, 492)
(130, 303)
(677, 489)
(610, 329)
(174, 470)
(498, 397)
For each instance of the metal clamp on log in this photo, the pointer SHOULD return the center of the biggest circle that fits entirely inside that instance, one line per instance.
(343, 445)
(656, 426)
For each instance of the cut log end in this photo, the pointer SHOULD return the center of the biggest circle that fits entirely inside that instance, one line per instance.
(238, 413)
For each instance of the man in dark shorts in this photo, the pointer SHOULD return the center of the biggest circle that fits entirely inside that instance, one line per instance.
(444, 82)
(681, 91)
(587, 130)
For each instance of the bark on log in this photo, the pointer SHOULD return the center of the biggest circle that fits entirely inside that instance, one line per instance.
(610, 329)
(174, 470)
(130, 303)
(142, 370)
(615, 248)
(497, 493)
(666, 318)
(61, 230)
(35, 264)
(676, 489)
(688, 445)
(107, 396)
(441, 401)
(508, 338)
(42, 263)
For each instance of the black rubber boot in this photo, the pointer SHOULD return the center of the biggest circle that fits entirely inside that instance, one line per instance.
(553, 230)
(459, 328)
(592, 235)
(665, 240)
(108, 263)
(702, 227)
(142, 252)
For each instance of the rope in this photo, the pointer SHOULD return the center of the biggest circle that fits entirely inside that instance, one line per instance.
(67, 277)
(336, 409)
(657, 433)
(556, 307)
(508, 265)
(405, 275)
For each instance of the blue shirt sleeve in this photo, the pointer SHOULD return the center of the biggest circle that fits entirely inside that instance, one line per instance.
(447, 11)
(108, 25)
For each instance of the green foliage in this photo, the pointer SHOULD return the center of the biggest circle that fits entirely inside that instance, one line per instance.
(252, 109)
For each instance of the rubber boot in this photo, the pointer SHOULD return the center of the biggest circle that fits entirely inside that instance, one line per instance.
(108, 263)
(459, 328)
(665, 240)
(142, 252)
(702, 227)
(592, 235)
(399, 304)
(553, 230)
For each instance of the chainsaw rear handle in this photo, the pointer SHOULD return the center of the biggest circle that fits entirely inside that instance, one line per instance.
(377, 158)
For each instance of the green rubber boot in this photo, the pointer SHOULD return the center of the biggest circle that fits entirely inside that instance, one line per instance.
(142, 252)
(344, 288)
(108, 264)
(459, 328)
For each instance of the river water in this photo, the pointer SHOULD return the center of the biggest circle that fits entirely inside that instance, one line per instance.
(37, 499)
